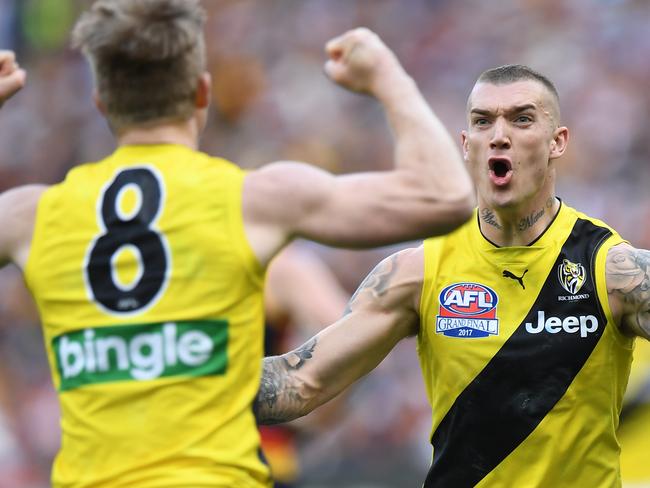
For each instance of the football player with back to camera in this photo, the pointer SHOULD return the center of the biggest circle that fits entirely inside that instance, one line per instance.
(525, 317)
(148, 266)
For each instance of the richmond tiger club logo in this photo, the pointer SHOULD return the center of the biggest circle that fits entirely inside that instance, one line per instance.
(467, 310)
(571, 275)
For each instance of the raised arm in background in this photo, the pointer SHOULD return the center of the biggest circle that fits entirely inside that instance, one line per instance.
(383, 311)
(17, 206)
(302, 291)
(428, 192)
(12, 77)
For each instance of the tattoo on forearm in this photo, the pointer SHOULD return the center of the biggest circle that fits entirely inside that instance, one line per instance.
(628, 277)
(296, 359)
(377, 282)
(281, 396)
(487, 215)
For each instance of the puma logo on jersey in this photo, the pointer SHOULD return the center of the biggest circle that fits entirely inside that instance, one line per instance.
(585, 324)
(140, 352)
(520, 279)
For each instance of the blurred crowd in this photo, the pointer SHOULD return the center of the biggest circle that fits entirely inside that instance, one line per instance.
(273, 102)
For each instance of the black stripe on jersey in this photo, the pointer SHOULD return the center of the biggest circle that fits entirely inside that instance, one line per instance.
(523, 381)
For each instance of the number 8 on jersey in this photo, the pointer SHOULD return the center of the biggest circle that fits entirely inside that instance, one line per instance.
(129, 229)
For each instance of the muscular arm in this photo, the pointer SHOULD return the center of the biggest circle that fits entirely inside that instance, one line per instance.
(428, 192)
(628, 287)
(382, 312)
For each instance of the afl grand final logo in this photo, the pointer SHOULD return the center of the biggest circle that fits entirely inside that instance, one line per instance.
(571, 276)
(467, 310)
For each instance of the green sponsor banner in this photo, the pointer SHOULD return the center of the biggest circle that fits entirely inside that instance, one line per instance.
(141, 352)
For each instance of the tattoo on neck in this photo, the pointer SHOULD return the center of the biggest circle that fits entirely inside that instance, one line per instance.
(489, 218)
(527, 222)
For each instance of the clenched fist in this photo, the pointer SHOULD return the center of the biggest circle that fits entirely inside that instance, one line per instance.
(360, 61)
(12, 78)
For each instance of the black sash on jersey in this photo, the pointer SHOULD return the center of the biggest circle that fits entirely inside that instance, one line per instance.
(523, 381)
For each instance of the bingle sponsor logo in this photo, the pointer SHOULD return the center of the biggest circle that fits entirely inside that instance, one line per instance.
(141, 352)
(585, 324)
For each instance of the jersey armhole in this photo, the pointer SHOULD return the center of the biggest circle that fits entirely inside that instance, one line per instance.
(622, 340)
(248, 258)
(425, 292)
(31, 269)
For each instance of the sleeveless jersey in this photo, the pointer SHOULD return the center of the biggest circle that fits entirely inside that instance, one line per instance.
(151, 303)
(524, 367)
(634, 430)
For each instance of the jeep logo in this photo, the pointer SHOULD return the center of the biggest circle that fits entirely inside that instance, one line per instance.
(585, 324)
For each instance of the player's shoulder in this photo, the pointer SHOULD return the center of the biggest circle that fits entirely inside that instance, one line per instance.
(595, 221)
(21, 198)
(406, 266)
(17, 214)
(18, 207)
(410, 257)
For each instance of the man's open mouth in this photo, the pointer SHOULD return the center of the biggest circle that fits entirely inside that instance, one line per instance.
(500, 170)
(500, 166)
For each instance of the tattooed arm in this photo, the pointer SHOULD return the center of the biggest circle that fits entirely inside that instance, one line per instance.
(628, 287)
(383, 311)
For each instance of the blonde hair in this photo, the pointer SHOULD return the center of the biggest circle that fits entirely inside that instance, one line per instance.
(146, 56)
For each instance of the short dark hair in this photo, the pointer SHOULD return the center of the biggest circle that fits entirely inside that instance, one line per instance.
(146, 56)
(511, 73)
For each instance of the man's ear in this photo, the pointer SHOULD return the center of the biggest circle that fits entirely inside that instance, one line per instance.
(463, 141)
(559, 142)
(204, 91)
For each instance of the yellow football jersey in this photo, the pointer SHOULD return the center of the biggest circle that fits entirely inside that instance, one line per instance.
(634, 431)
(524, 367)
(151, 302)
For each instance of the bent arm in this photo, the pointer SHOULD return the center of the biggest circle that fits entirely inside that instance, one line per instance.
(628, 287)
(382, 312)
(427, 193)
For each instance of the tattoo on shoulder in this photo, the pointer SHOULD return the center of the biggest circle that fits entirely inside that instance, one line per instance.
(376, 282)
(628, 276)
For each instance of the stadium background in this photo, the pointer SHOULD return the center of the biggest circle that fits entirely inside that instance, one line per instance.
(274, 103)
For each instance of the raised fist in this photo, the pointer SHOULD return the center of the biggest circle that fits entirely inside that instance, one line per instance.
(12, 78)
(358, 59)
